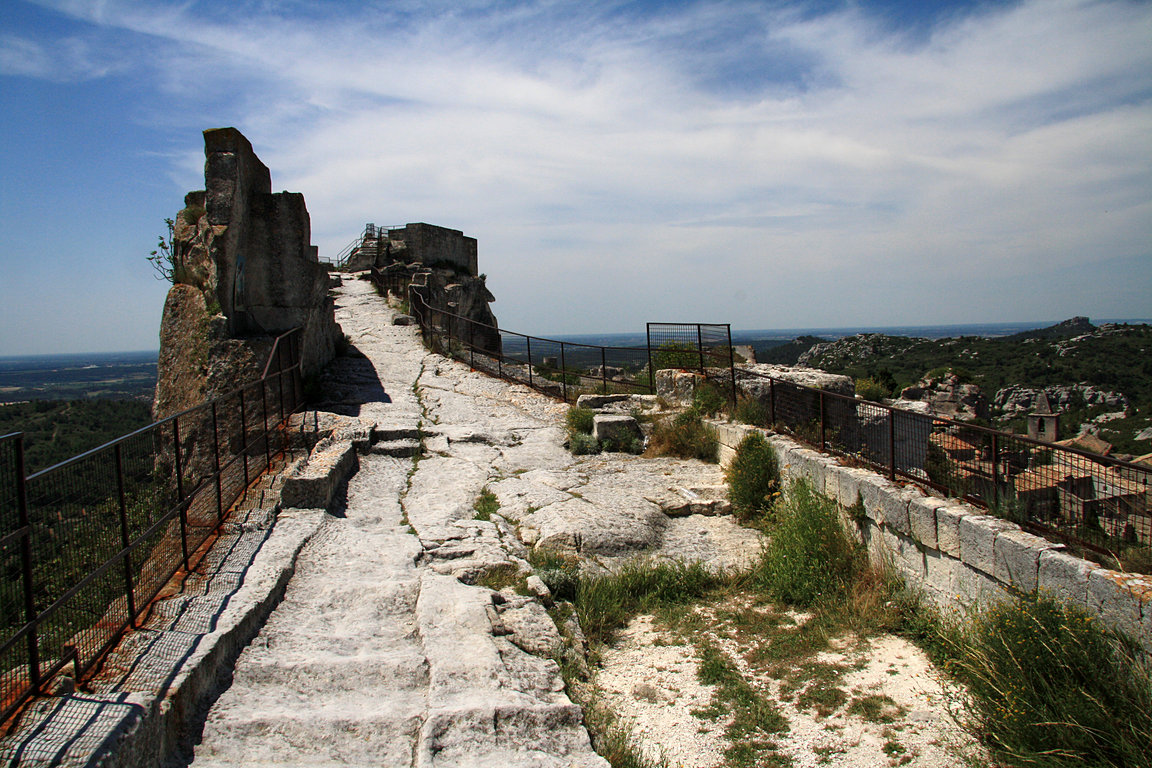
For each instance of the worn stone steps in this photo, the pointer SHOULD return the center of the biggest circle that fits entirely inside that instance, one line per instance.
(397, 448)
(315, 736)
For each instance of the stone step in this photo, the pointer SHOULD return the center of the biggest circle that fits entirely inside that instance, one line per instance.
(382, 433)
(358, 682)
(397, 448)
(308, 735)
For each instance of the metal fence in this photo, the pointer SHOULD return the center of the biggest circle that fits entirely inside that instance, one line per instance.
(1101, 503)
(565, 369)
(88, 544)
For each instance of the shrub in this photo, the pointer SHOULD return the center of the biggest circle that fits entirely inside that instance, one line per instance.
(708, 400)
(686, 437)
(753, 477)
(579, 420)
(582, 445)
(809, 559)
(751, 410)
(871, 389)
(1050, 686)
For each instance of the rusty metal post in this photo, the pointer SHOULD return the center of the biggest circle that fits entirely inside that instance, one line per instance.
(651, 372)
(472, 344)
(995, 469)
(772, 401)
(26, 565)
(267, 439)
(180, 492)
(891, 444)
(216, 464)
(125, 540)
(603, 372)
(244, 440)
(823, 442)
(563, 373)
(528, 342)
(700, 346)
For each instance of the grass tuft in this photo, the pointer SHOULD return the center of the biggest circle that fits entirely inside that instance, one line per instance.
(485, 505)
(809, 559)
(686, 436)
(1051, 686)
(753, 478)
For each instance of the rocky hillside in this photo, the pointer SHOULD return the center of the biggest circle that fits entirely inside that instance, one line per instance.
(1098, 376)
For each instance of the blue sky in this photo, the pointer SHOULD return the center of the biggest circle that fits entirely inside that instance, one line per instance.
(770, 165)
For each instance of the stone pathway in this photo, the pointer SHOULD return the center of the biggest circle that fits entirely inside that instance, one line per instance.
(378, 654)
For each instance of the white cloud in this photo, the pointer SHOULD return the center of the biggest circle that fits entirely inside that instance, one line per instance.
(652, 163)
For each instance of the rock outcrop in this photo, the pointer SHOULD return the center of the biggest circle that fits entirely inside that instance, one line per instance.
(244, 271)
(948, 396)
(1016, 400)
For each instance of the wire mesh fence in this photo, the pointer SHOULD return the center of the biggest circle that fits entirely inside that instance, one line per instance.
(564, 369)
(88, 544)
(1101, 503)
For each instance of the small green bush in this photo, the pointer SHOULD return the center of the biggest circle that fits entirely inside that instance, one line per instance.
(753, 478)
(809, 560)
(708, 400)
(686, 437)
(583, 445)
(871, 389)
(1051, 686)
(751, 410)
(579, 420)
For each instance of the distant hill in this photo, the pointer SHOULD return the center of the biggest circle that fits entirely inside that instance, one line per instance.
(789, 352)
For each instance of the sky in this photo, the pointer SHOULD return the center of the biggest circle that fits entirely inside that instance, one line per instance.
(764, 164)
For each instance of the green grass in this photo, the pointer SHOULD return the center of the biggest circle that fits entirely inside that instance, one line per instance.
(810, 560)
(606, 603)
(1051, 686)
(753, 478)
(485, 505)
(686, 436)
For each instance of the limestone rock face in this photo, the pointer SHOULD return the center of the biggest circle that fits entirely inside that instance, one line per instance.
(1018, 399)
(947, 396)
(805, 377)
(244, 272)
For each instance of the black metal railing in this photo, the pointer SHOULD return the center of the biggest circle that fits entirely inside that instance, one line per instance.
(1101, 503)
(88, 544)
(563, 369)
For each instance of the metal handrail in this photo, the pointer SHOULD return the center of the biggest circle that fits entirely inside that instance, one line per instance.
(1003, 447)
(208, 492)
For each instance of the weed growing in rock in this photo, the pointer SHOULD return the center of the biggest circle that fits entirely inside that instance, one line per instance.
(1051, 686)
(606, 603)
(751, 410)
(809, 559)
(753, 478)
(686, 437)
(583, 445)
(485, 505)
(708, 400)
(559, 572)
(579, 420)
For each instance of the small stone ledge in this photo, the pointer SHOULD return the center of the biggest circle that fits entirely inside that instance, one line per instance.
(314, 484)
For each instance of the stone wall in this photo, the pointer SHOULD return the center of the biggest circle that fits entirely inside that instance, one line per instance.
(244, 271)
(431, 245)
(960, 557)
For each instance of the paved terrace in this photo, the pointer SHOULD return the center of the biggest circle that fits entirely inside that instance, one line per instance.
(352, 635)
